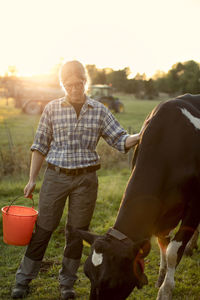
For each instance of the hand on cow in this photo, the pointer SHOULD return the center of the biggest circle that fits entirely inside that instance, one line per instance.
(146, 122)
(133, 139)
(29, 189)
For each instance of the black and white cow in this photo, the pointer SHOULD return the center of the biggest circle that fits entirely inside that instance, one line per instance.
(163, 191)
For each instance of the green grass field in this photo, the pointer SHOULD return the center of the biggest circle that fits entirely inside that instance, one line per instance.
(112, 182)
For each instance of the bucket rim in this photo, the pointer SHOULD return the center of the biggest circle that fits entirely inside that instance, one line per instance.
(35, 212)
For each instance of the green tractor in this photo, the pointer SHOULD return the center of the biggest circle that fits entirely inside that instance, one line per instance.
(103, 94)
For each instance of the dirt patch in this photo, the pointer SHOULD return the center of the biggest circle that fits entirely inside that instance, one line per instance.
(46, 265)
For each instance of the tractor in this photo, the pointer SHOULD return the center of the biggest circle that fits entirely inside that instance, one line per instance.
(103, 94)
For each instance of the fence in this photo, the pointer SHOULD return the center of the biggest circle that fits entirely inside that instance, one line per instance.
(15, 154)
(15, 142)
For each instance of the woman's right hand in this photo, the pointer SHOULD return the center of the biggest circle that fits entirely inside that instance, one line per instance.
(29, 189)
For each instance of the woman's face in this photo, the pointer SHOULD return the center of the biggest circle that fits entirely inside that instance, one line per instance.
(75, 88)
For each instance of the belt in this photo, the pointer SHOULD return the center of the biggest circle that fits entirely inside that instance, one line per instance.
(73, 172)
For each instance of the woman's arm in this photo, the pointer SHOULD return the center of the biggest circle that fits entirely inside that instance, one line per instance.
(36, 163)
(132, 140)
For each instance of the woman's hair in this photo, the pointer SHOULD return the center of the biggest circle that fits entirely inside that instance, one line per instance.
(72, 68)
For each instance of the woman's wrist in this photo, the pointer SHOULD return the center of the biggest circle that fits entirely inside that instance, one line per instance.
(132, 140)
(32, 180)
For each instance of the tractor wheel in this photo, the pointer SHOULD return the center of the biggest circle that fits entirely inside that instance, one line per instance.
(32, 108)
(120, 108)
(105, 103)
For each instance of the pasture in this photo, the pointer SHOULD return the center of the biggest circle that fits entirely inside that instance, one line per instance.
(16, 134)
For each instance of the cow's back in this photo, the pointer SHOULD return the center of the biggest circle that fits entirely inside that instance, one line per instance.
(189, 102)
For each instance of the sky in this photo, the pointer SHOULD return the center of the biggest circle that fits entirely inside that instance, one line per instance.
(144, 35)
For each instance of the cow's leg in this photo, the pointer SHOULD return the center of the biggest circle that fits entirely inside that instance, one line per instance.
(174, 253)
(94, 293)
(192, 244)
(163, 243)
(165, 291)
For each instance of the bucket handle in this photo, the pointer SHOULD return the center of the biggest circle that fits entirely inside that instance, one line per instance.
(16, 199)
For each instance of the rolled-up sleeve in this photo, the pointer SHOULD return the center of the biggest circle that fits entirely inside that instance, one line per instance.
(113, 133)
(43, 136)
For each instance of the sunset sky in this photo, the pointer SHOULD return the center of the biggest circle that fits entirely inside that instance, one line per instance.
(141, 34)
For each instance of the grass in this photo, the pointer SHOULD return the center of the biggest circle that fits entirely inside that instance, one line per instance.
(112, 183)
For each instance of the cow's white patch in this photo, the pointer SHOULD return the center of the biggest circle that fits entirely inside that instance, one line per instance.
(171, 253)
(194, 120)
(165, 291)
(97, 258)
(163, 262)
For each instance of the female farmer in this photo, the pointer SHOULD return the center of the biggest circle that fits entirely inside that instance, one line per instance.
(67, 136)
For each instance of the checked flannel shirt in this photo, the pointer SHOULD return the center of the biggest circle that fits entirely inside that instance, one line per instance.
(68, 142)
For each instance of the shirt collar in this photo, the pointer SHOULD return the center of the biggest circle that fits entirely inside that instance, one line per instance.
(66, 103)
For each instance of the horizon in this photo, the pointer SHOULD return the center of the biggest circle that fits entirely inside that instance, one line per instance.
(131, 76)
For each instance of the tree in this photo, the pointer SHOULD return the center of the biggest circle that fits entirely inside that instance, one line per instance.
(96, 76)
(118, 79)
(173, 79)
(150, 89)
(190, 77)
(181, 78)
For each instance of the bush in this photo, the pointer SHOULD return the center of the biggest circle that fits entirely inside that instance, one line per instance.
(110, 157)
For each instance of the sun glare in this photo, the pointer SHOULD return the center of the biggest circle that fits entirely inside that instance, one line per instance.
(111, 35)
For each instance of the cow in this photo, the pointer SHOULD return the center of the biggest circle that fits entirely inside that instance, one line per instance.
(163, 192)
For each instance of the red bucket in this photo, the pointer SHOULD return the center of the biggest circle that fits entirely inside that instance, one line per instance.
(18, 224)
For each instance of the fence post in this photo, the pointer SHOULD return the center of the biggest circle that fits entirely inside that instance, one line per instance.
(10, 141)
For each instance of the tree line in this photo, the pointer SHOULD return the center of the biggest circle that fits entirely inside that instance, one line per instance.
(181, 78)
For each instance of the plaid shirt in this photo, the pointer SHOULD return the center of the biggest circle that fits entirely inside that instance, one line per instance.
(68, 142)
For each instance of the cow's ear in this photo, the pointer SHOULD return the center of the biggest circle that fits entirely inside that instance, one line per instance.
(144, 248)
(88, 236)
(142, 280)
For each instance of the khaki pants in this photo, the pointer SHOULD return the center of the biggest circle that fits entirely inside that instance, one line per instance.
(81, 192)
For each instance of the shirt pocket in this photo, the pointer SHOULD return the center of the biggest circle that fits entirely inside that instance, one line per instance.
(89, 137)
(61, 135)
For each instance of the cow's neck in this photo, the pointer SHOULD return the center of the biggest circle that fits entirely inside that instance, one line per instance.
(134, 230)
(138, 212)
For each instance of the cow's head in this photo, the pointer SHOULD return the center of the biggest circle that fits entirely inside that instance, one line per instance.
(114, 266)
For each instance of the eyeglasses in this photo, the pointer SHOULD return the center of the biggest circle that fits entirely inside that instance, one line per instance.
(77, 85)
